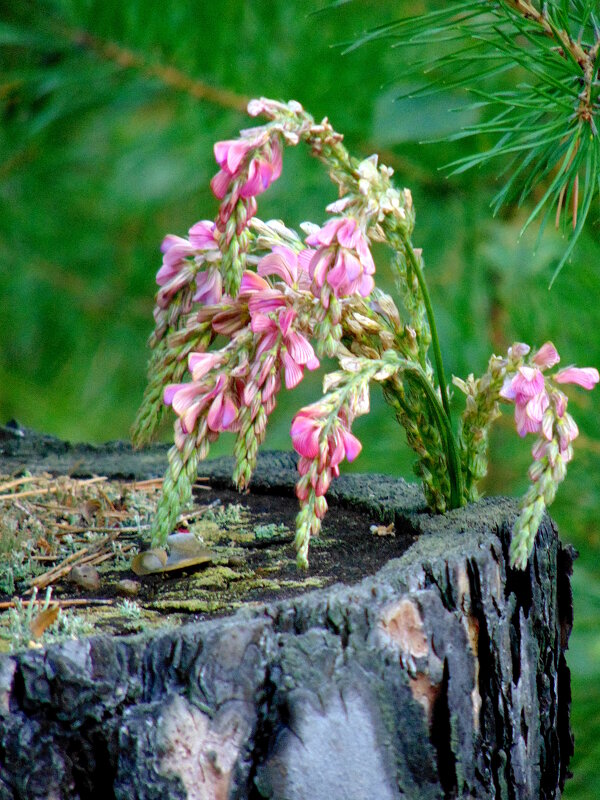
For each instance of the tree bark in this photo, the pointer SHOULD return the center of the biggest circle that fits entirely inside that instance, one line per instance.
(442, 676)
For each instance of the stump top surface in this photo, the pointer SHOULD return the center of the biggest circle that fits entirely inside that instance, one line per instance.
(373, 520)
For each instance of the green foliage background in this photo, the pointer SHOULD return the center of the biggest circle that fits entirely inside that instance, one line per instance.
(106, 144)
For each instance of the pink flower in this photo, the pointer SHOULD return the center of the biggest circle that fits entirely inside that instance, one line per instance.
(189, 400)
(305, 430)
(179, 253)
(175, 251)
(343, 260)
(263, 169)
(547, 356)
(291, 267)
(528, 391)
(296, 351)
(202, 235)
(209, 287)
(587, 377)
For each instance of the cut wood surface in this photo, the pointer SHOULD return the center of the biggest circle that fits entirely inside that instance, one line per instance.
(442, 675)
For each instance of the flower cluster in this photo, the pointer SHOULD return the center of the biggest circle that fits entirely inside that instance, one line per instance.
(322, 439)
(249, 305)
(541, 408)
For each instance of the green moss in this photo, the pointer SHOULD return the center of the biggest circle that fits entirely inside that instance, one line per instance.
(194, 605)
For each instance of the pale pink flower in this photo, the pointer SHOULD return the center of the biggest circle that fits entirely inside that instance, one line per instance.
(291, 267)
(200, 364)
(587, 377)
(547, 356)
(179, 253)
(343, 259)
(518, 350)
(202, 235)
(176, 250)
(296, 352)
(209, 287)
(527, 389)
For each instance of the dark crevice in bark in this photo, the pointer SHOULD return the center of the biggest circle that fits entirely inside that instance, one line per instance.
(441, 737)
(491, 717)
(93, 769)
(267, 724)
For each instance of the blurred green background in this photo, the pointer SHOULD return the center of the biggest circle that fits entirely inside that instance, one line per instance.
(109, 112)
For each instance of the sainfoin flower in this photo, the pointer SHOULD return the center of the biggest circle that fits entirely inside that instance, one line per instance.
(343, 260)
(320, 456)
(181, 260)
(232, 157)
(204, 392)
(528, 391)
(295, 351)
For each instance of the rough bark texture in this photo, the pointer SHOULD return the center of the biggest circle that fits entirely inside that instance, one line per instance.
(442, 676)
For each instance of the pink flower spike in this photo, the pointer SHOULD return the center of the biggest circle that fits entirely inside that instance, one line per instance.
(587, 377)
(547, 356)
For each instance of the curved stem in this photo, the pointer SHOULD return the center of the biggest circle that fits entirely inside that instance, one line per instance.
(437, 353)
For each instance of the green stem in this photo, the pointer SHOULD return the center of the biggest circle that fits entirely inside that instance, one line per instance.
(437, 353)
(445, 428)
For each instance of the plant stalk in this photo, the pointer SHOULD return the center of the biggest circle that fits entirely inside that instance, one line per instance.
(437, 353)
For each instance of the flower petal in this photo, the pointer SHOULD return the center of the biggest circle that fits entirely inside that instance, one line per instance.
(587, 377)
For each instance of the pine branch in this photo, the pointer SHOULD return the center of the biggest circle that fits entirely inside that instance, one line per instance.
(547, 124)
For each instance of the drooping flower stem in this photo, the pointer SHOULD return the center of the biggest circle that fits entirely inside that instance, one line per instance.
(437, 353)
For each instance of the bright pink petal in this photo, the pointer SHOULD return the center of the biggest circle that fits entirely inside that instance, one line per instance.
(537, 405)
(300, 348)
(220, 183)
(352, 445)
(318, 267)
(348, 233)
(293, 372)
(305, 435)
(366, 286)
(251, 282)
(587, 377)
(209, 287)
(200, 364)
(261, 323)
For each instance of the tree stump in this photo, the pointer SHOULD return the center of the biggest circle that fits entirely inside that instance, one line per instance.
(442, 675)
